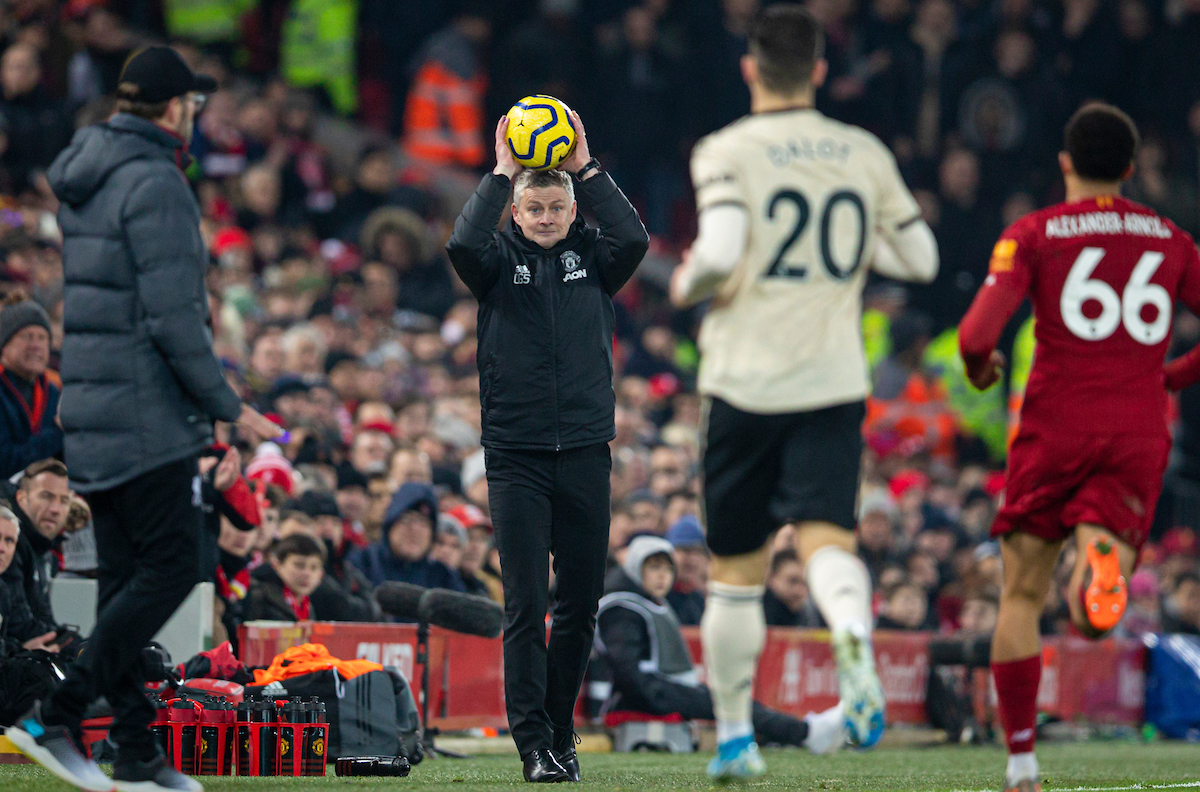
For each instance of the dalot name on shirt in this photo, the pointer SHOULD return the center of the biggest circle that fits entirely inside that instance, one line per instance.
(1067, 226)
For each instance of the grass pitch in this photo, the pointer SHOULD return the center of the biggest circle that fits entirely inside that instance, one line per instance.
(1074, 767)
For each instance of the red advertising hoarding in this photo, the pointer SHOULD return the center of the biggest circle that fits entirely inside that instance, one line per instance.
(1101, 682)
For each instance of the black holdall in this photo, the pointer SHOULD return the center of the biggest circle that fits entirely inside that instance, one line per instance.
(373, 714)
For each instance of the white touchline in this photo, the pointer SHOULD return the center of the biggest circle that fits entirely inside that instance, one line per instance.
(1185, 785)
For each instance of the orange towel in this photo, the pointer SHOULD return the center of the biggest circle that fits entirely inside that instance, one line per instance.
(307, 658)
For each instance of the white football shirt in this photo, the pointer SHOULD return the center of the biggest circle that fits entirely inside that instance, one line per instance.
(783, 333)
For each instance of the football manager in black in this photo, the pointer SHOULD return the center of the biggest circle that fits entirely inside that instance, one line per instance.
(545, 285)
(141, 388)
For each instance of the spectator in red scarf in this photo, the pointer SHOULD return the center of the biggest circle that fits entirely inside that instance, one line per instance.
(28, 396)
(297, 567)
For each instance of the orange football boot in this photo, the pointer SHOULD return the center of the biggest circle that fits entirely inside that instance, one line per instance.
(1105, 597)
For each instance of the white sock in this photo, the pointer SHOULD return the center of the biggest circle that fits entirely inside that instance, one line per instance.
(730, 730)
(1021, 766)
(841, 587)
(733, 631)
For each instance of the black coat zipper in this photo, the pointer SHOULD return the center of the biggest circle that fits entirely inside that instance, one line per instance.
(551, 275)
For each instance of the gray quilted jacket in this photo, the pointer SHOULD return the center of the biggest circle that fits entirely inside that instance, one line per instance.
(141, 385)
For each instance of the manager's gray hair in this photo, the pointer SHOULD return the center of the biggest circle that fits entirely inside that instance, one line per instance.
(7, 514)
(538, 179)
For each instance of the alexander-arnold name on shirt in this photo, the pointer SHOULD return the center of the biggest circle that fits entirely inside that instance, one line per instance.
(1066, 226)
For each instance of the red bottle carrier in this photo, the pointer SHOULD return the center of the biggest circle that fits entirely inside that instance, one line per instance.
(284, 738)
(182, 736)
(214, 753)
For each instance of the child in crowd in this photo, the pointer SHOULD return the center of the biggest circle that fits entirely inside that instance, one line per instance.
(282, 594)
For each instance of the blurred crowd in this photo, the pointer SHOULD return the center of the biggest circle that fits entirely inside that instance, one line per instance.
(344, 140)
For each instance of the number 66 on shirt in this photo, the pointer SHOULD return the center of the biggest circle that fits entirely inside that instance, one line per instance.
(1128, 307)
(1103, 275)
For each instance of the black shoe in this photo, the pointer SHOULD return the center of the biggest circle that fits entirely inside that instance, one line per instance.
(564, 752)
(153, 776)
(54, 748)
(570, 762)
(542, 768)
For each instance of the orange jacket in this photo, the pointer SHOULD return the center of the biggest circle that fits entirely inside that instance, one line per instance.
(919, 417)
(307, 658)
(443, 117)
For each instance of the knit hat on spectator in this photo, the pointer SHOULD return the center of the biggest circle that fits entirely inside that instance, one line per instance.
(905, 480)
(230, 239)
(287, 386)
(471, 516)
(336, 358)
(877, 501)
(378, 425)
(16, 317)
(473, 469)
(269, 465)
(316, 504)
(455, 432)
(348, 477)
(1143, 583)
(686, 533)
(448, 524)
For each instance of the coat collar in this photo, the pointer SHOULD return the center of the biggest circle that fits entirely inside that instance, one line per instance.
(176, 147)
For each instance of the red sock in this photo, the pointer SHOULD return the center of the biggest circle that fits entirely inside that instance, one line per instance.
(1016, 688)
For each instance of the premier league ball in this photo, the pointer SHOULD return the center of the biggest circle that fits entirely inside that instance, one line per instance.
(540, 134)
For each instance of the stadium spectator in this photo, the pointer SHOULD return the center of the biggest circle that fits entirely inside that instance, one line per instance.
(906, 608)
(376, 185)
(402, 554)
(786, 602)
(36, 124)
(231, 578)
(908, 411)
(643, 652)
(646, 512)
(686, 596)
(449, 542)
(353, 501)
(443, 120)
(474, 480)
(1144, 612)
(280, 590)
(18, 627)
(29, 394)
(353, 601)
(876, 534)
(42, 502)
(1183, 609)
(398, 238)
(480, 566)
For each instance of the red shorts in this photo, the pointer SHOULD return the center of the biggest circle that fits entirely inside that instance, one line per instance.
(1056, 481)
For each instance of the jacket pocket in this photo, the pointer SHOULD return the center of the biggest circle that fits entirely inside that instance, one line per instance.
(487, 383)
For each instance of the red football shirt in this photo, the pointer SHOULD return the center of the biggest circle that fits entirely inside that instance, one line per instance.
(1103, 275)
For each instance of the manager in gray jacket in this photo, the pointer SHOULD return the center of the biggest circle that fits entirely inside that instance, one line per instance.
(141, 389)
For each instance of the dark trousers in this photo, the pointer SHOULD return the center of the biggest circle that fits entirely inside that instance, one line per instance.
(547, 502)
(147, 539)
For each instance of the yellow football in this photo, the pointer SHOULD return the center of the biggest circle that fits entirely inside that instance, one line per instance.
(540, 134)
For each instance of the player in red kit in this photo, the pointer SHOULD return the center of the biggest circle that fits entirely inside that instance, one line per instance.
(1103, 274)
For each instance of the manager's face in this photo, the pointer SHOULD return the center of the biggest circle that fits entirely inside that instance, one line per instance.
(545, 214)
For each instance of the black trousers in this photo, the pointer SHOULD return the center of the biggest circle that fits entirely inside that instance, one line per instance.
(147, 539)
(548, 502)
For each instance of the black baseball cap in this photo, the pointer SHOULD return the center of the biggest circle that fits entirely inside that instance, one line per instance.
(156, 74)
